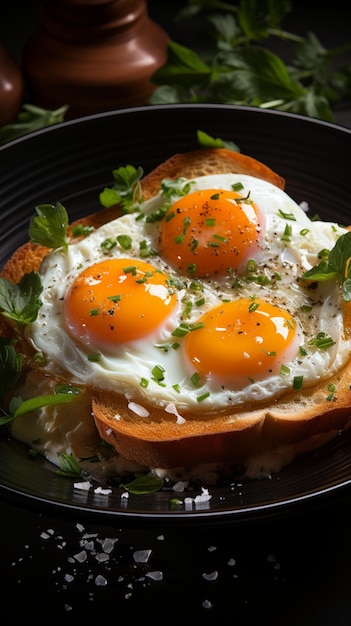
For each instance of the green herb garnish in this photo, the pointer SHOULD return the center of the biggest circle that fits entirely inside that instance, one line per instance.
(126, 189)
(17, 407)
(21, 302)
(337, 265)
(49, 226)
(143, 485)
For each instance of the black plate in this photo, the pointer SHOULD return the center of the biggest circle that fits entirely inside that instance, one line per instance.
(71, 163)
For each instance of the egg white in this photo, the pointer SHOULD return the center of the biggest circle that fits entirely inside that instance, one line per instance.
(280, 263)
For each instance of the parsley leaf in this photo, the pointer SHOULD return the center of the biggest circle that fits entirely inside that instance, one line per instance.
(126, 189)
(337, 265)
(21, 302)
(49, 227)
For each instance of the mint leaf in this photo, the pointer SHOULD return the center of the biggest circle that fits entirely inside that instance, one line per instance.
(49, 227)
(21, 302)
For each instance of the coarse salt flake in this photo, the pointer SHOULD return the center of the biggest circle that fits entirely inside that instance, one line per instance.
(85, 485)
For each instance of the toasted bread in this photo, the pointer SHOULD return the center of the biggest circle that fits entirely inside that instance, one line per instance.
(229, 437)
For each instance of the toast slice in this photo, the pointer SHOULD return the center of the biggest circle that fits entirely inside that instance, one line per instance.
(300, 420)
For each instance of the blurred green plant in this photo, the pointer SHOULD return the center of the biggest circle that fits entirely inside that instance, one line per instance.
(29, 119)
(238, 66)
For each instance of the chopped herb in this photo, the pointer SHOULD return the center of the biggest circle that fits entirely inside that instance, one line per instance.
(253, 306)
(297, 383)
(287, 233)
(94, 312)
(94, 357)
(203, 396)
(125, 241)
(237, 186)
(107, 245)
(322, 341)
(287, 216)
(158, 373)
(144, 383)
(331, 388)
(195, 379)
(115, 299)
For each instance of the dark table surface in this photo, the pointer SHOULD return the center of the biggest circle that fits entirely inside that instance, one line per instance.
(293, 569)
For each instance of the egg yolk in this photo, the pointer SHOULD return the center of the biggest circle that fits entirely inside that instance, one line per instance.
(207, 232)
(117, 301)
(243, 339)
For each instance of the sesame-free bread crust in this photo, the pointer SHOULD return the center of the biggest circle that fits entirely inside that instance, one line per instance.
(229, 437)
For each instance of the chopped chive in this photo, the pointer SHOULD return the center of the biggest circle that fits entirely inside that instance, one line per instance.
(191, 269)
(176, 387)
(194, 245)
(297, 383)
(94, 357)
(93, 312)
(169, 216)
(331, 388)
(304, 232)
(203, 396)
(253, 307)
(284, 370)
(108, 245)
(200, 302)
(215, 197)
(195, 379)
(220, 238)
(237, 186)
(179, 239)
(115, 299)
(196, 286)
(131, 269)
(251, 266)
(287, 216)
(287, 233)
(158, 372)
(125, 241)
(144, 383)
(210, 221)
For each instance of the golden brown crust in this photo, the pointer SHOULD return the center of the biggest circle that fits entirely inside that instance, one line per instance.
(206, 162)
(231, 437)
(159, 441)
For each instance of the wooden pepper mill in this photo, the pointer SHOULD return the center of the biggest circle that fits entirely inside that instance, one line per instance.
(94, 55)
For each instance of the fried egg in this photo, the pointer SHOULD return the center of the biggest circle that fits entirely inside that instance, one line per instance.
(195, 301)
